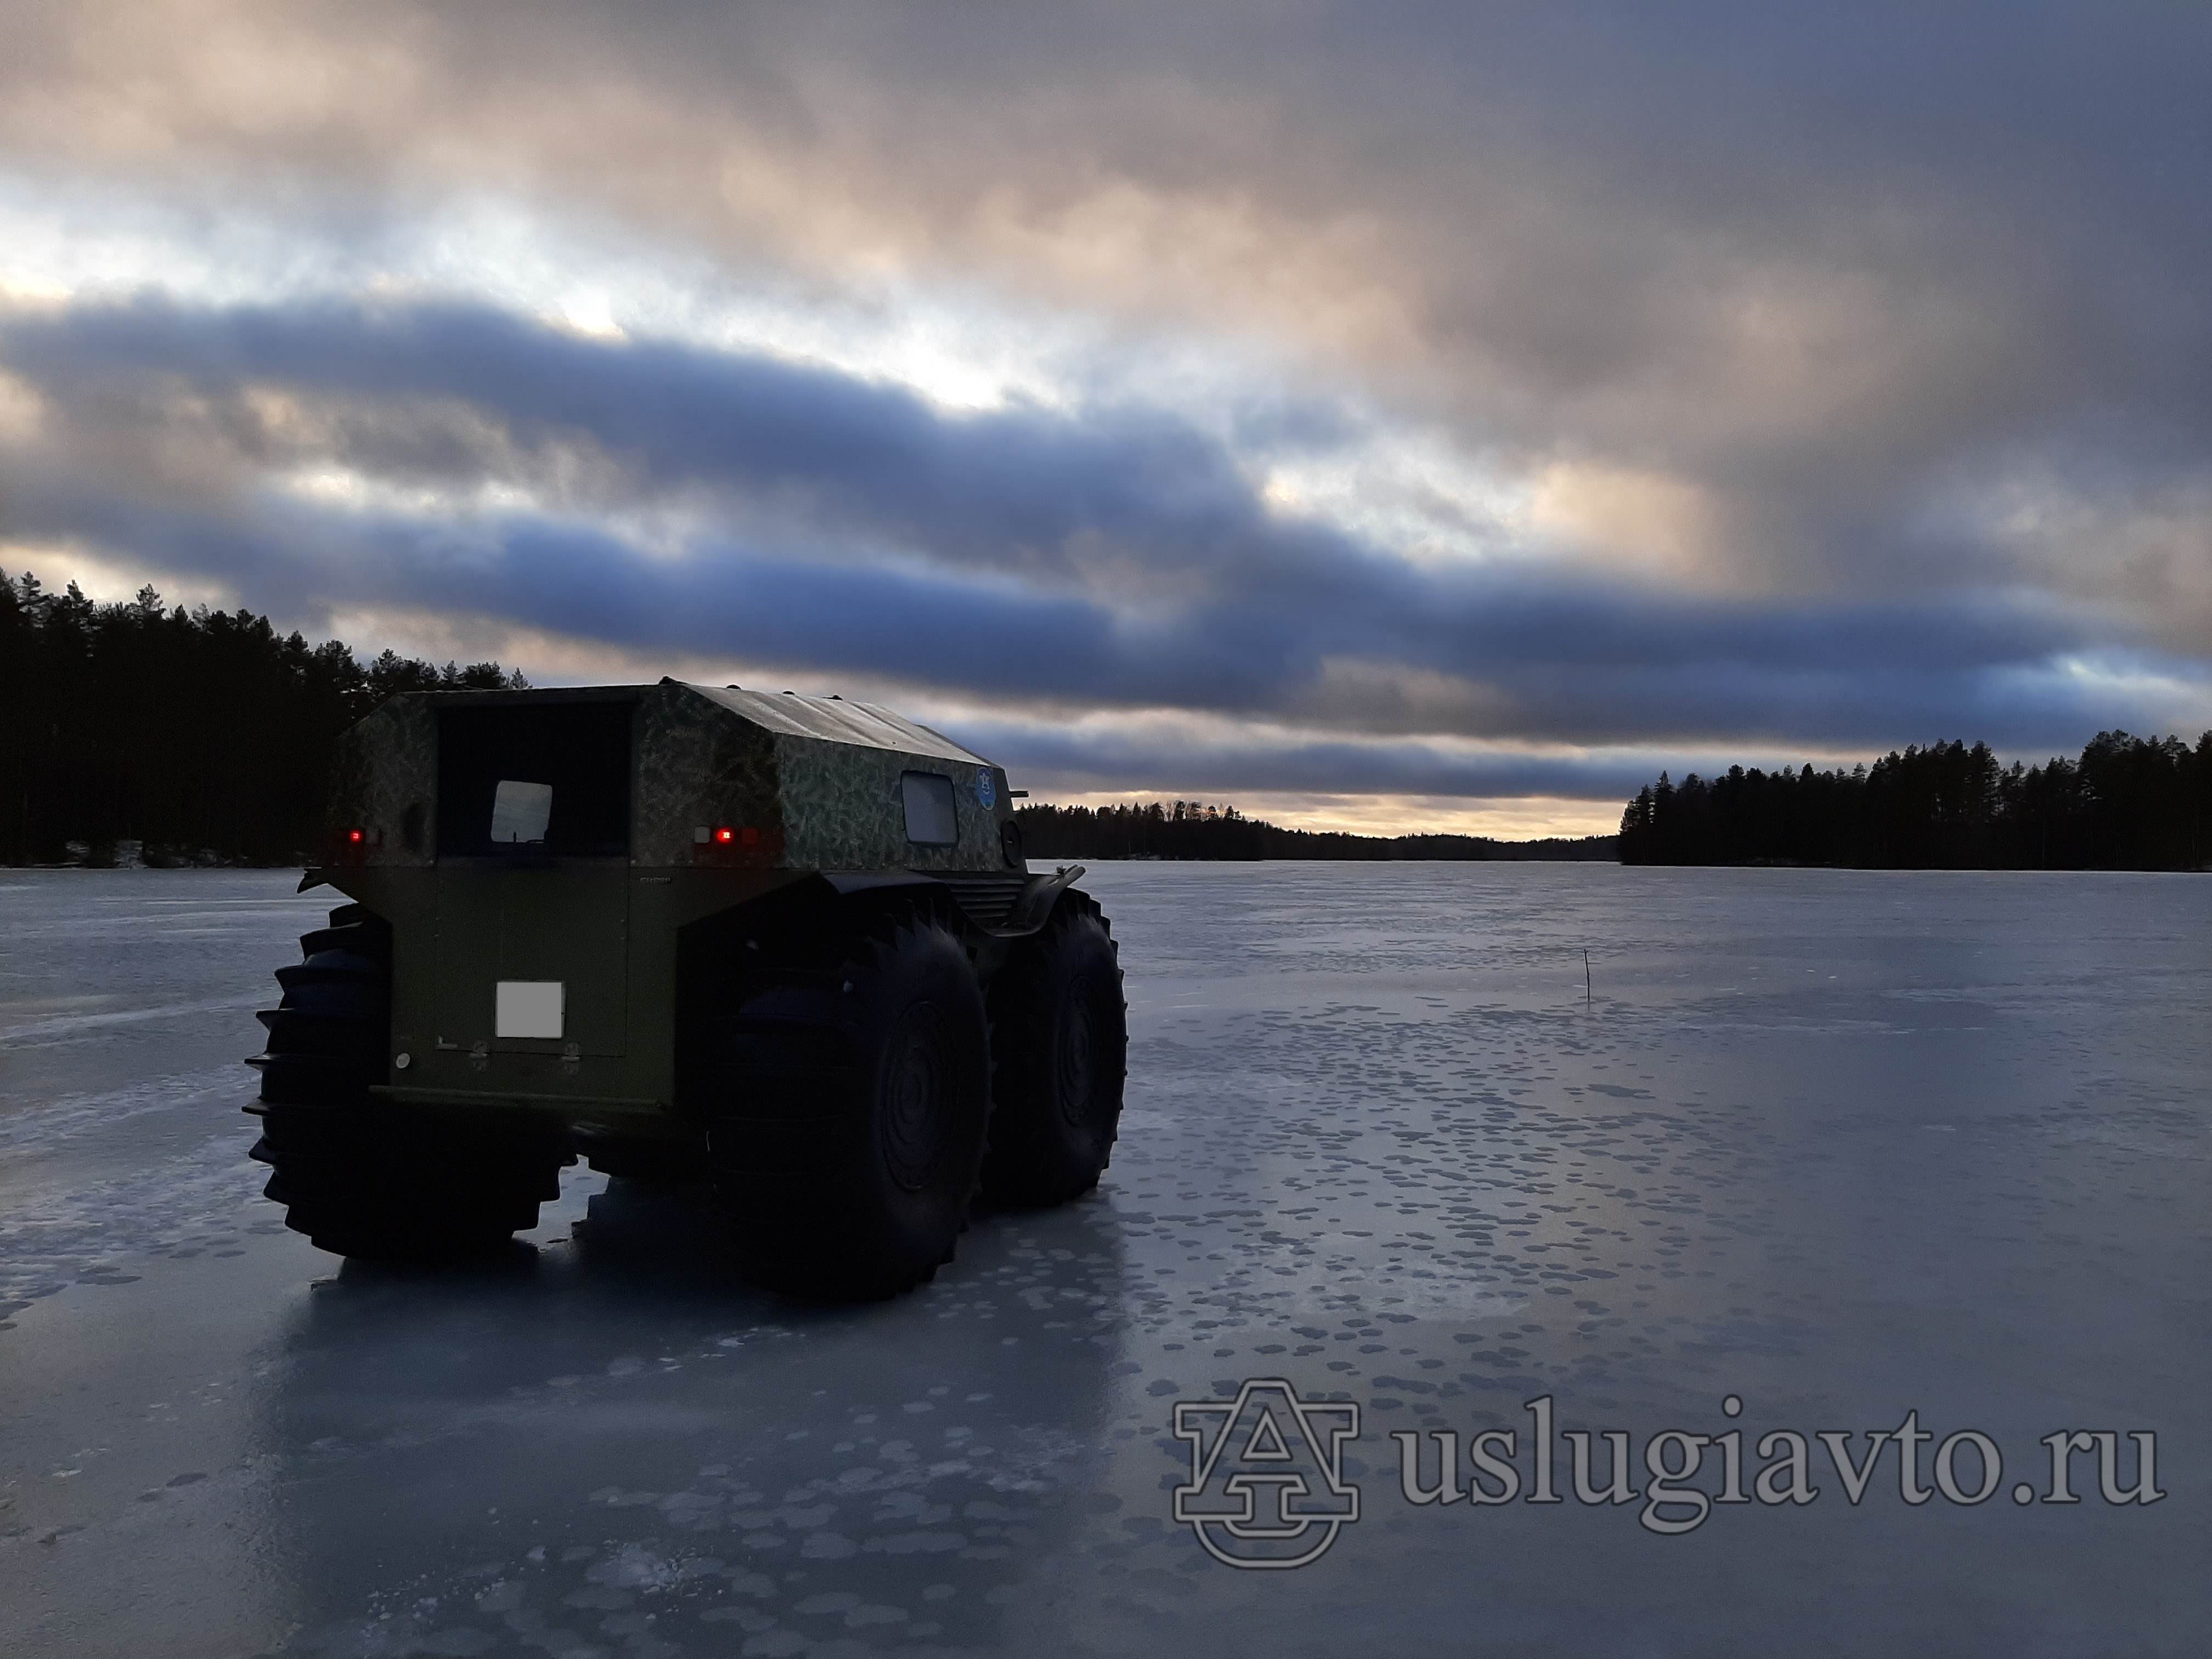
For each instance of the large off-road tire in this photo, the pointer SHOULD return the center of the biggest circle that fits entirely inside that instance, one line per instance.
(326, 1036)
(849, 1134)
(1060, 1035)
(359, 1178)
(359, 1184)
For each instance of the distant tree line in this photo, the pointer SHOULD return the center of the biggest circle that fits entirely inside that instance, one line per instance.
(2127, 804)
(206, 734)
(202, 734)
(1192, 829)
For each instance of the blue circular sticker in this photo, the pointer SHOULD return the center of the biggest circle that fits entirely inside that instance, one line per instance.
(987, 793)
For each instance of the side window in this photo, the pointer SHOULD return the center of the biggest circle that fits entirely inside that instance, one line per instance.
(929, 821)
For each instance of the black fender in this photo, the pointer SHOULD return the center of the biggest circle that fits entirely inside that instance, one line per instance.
(998, 907)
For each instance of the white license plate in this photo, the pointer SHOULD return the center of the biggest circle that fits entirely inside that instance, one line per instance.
(530, 1008)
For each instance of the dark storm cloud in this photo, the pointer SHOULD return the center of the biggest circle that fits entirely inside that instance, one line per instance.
(1013, 489)
(1081, 559)
(1588, 220)
(1019, 650)
(1897, 310)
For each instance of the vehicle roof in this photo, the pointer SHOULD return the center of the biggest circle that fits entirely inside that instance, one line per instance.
(789, 714)
(834, 719)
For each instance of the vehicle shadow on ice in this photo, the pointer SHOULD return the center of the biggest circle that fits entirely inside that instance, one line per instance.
(613, 1445)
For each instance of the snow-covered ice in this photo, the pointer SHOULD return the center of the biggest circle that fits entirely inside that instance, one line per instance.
(1842, 1145)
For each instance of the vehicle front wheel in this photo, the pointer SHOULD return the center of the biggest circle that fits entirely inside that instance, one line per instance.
(1060, 1033)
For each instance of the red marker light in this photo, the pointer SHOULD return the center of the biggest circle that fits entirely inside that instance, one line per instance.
(357, 836)
(723, 837)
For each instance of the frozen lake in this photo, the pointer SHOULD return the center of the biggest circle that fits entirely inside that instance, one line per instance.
(1842, 1146)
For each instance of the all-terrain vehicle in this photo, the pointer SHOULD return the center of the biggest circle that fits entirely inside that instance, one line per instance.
(787, 946)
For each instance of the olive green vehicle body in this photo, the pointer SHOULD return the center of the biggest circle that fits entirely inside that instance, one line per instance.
(731, 796)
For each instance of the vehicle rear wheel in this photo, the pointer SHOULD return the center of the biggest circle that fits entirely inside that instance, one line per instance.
(1060, 1036)
(359, 1184)
(357, 1177)
(327, 1034)
(853, 1101)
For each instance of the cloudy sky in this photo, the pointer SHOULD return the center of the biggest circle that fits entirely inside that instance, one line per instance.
(1378, 415)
